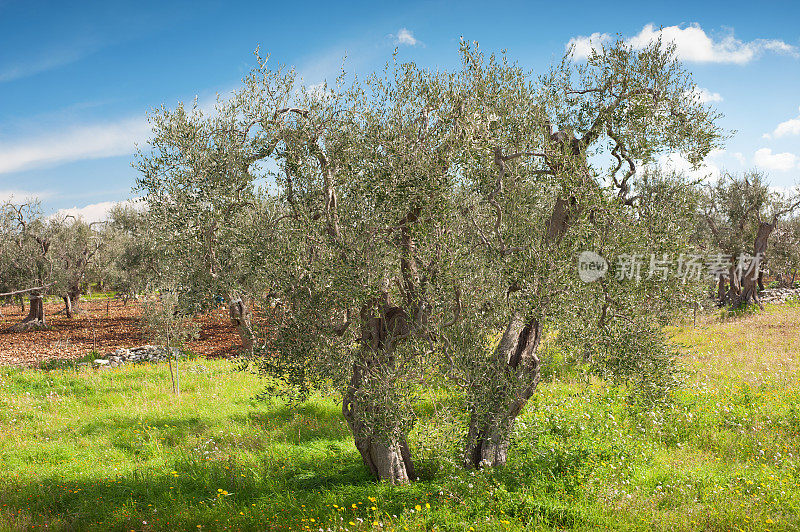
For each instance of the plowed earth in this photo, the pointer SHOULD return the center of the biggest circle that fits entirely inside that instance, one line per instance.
(102, 326)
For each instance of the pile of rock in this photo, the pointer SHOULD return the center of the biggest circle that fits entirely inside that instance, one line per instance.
(138, 355)
(779, 295)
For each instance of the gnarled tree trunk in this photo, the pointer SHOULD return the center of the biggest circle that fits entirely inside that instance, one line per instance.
(377, 430)
(750, 278)
(35, 318)
(721, 290)
(71, 300)
(240, 314)
(382, 445)
(735, 282)
(518, 370)
(67, 306)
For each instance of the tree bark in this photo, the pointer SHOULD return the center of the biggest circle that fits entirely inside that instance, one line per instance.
(36, 311)
(383, 448)
(35, 318)
(492, 422)
(71, 301)
(749, 290)
(240, 314)
(735, 280)
(377, 432)
(721, 290)
(68, 306)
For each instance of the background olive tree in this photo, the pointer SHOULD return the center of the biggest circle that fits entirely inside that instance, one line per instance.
(199, 179)
(784, 261)
(76, 247)
(26, 259)
(740, 213)
(129, 263)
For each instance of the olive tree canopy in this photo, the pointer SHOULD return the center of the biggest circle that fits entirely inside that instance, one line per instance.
(421, 223)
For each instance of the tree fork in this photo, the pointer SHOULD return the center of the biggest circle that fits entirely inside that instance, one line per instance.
(489, 435)
(750, 279)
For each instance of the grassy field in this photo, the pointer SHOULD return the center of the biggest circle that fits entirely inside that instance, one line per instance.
(114, 449)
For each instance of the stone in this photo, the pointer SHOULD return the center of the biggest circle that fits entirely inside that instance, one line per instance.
(141, 354)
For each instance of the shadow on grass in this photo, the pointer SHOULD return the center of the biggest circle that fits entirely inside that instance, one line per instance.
(67, 363)
(200, 493)
(140, 437)
(299, 424)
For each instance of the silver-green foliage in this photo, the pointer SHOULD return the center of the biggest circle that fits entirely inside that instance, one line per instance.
(412, 217)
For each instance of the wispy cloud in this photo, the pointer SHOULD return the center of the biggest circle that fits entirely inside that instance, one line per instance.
(692, 44)
(583, 46)
(92, 141)
(44, 61)
(404, 37)
(706, 96)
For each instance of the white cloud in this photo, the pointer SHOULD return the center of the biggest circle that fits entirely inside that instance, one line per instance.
(691, 44)
(740, 158)
(83, 142)
(789, 127)
(319, 91)
(583, 46)
(784, 190)
(404, 36)
(706, 96)
(96, 212)
(780, 162)
(707, 170)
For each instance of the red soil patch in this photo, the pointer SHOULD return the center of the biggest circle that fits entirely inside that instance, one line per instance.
(103, 325)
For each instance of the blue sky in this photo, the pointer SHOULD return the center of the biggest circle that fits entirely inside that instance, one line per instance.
(76, 79)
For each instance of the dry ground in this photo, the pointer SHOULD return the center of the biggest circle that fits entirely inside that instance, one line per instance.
(102, 326)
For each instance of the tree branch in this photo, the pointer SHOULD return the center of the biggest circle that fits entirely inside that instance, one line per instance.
(17, 292)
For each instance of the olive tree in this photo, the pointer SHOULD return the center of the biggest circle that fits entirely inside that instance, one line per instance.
(366, 178)
(75, 246)
(542, 195)
(740, 214)
(426, 222)
(129, 257)
(785, 259)
(199, 178)
(25, 258)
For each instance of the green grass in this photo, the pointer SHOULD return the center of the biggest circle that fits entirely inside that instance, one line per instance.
(82, 449)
